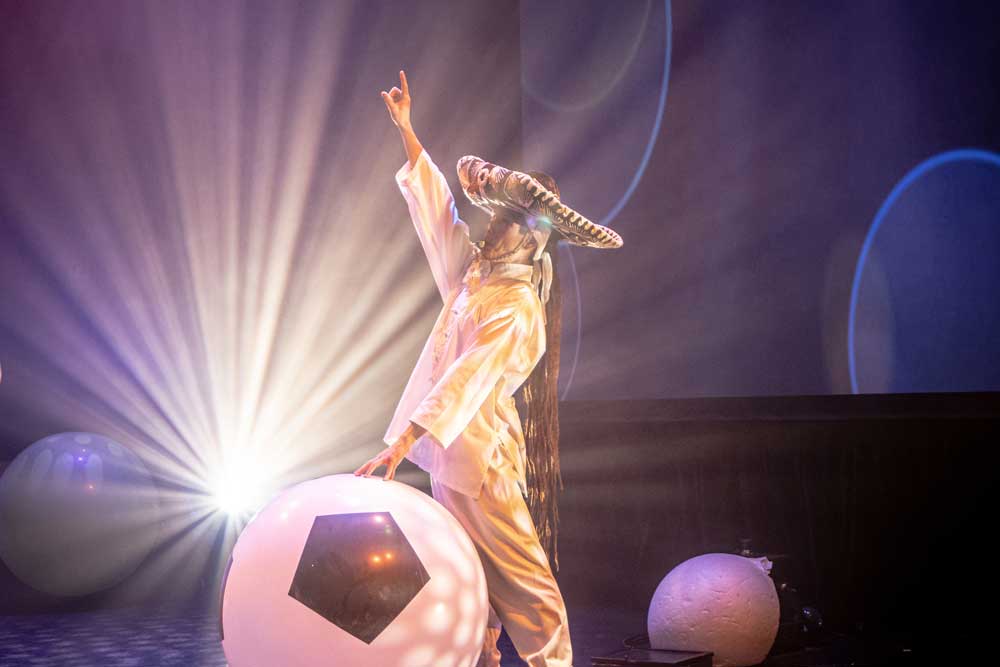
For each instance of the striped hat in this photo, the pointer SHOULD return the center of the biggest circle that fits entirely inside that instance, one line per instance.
(488, 185)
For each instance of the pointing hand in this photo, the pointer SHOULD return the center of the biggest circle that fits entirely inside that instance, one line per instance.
(397, 101)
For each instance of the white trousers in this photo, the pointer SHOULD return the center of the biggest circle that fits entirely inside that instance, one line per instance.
(523, 593)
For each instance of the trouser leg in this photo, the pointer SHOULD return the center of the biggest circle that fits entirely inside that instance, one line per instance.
(522, 590)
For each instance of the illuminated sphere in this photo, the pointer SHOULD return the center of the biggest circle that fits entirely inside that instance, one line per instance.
(78, 513)
(353, 572)
(722, 603)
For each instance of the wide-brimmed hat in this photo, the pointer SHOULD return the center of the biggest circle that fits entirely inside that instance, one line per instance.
(489, 186)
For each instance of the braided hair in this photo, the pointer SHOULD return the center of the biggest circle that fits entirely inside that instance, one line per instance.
(539, 399)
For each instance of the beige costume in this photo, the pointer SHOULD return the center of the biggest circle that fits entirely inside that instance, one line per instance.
(485, 343)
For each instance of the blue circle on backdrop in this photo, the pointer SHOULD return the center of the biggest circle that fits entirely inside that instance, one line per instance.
(925, 302)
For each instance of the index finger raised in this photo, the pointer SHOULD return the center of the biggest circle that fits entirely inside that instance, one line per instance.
(403, 83)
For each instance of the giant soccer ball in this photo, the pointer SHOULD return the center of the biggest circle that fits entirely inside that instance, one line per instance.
(722, 603)
(353, 572)
(78, 513)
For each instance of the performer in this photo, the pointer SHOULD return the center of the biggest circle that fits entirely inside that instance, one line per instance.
(457, 418)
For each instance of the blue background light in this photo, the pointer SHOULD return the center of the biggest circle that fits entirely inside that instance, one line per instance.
(925, 301)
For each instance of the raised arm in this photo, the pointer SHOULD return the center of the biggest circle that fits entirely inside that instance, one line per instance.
(444, 237)
(397, 101)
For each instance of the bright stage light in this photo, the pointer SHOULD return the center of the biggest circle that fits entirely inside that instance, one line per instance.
(241, 490)
(234, 499)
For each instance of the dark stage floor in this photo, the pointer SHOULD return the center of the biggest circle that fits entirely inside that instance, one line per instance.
(144, 638)
(141, 638)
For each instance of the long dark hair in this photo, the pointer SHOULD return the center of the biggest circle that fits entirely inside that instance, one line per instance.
(539, 397)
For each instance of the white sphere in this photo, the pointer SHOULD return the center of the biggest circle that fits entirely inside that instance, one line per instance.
(78, 513)
(722, 603)
(353, 572)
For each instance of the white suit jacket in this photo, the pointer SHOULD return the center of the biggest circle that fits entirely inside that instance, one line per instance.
(485, 343)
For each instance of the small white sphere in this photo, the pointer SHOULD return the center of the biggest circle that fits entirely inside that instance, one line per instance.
(78, 513)
(353, 572)
(722, 603)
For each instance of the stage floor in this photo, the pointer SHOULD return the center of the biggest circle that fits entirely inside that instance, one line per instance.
(143, 638)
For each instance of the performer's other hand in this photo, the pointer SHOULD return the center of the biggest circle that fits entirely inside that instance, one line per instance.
(397, 101)
(390, 458)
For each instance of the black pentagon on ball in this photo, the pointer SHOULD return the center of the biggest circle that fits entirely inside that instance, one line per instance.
(358, 571)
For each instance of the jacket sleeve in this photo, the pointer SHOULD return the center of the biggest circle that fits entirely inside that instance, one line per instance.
(444, 237)
(506, 345)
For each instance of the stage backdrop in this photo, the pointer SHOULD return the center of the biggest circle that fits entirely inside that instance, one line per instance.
(809, 193)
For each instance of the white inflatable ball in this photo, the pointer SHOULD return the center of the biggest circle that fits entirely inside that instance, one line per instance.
(722, 603)
(353, 572)
(78, 513)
